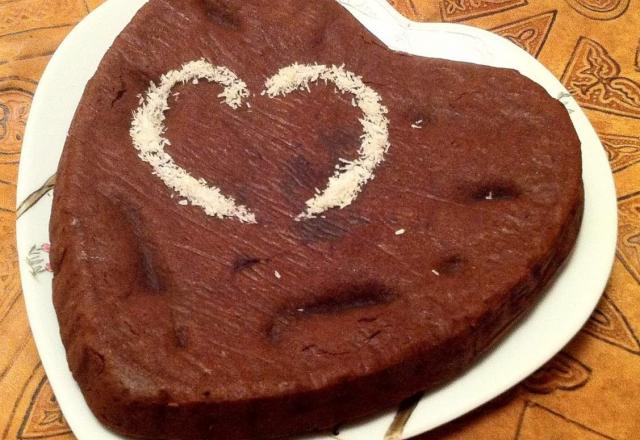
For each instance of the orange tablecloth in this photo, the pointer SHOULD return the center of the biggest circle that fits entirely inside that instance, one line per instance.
(590, 391)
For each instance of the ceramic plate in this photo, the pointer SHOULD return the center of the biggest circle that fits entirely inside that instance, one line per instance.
(555, 320)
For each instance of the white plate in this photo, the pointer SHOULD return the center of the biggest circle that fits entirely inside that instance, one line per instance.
(554, 321)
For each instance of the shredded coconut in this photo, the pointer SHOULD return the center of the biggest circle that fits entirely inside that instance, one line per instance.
(350, 177)
(417, 124)
(489, 196)
(147, 132)
(277, 274)
(400, 231)
(435, 272)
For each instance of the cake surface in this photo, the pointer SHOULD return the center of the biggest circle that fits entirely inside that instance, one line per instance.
(182, 325)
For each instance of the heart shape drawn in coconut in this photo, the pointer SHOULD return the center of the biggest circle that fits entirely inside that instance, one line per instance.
(148, 129)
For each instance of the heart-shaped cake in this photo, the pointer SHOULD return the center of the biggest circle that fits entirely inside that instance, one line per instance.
(267, 223)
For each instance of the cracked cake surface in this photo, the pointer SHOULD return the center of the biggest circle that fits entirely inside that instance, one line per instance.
(182, 325)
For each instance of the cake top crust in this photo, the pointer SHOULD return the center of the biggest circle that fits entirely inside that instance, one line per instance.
(289, 287)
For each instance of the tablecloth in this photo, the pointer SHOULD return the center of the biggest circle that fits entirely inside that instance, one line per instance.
(589, 391)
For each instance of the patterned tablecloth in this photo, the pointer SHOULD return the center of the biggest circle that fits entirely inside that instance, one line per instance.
(590, 391)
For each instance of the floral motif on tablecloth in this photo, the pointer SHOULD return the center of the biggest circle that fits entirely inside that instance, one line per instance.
(623, 151)
(596, 81)
(44, 418)
(457, 10)
(529, 33)
(600, 9)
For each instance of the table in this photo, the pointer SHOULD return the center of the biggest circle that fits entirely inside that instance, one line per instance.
(590, 391)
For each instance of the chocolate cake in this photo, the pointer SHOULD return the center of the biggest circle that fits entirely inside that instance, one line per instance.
(204, 287)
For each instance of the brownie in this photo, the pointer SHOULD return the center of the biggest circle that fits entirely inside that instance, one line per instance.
(182, 325)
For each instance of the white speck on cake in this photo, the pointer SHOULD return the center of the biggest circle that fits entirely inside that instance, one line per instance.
(183, 202)
(277, 274)
(435, 272)
(417, 124)
(489, 196)
(401, 231)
